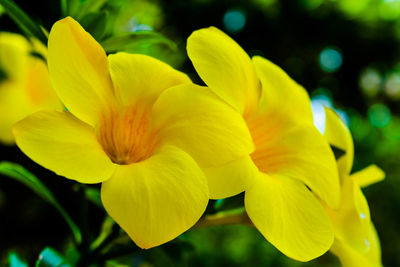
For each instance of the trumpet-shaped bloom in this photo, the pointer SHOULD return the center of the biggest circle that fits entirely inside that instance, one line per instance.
(24, 82)
(136, 125)
(292, 166)
(356, 241)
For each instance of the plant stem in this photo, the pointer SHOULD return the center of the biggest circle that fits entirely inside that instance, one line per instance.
(224, 218)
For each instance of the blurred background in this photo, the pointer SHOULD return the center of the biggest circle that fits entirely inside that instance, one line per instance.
(346, 53)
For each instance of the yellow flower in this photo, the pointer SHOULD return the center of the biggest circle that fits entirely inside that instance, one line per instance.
(356, 241)
(24, 83)
(136, 125)
(290, 157)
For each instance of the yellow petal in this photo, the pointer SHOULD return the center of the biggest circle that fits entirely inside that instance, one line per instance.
(338, 135)
(26, 88)
(369, 175)
(194, 119)
(14, 106)
(79, 70)
(281, 93)
(289, 216)
(349, 257)
(140, 78)
(230, 179)
(351, 221)
(38, 88)
(298, 151)
(156, 200)
(14, 53)
(225, 67)
(62, 143)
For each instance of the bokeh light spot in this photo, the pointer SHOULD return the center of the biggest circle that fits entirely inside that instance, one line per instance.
(234, 20)
(330, 60)
(392, 86)
(379, 115)
(370, 82)
(318, 103)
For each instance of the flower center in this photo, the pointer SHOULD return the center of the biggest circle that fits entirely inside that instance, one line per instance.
(126, 136)
(270, 152)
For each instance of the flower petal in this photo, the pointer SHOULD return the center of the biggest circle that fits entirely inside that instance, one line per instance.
(350, 257)
(78, 69)
(156, 200)
(225, 67)
(194, 119)
(369, 175)
(298, 151)
(337, 134)
(38, 87)
(140, 78)
(14, 53)
(351, 221)
(281, 93)
(62, 143)
(289, 216)
(14, 106)
(230, 179)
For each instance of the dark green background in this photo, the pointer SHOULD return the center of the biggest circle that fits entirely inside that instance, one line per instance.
(290, 33)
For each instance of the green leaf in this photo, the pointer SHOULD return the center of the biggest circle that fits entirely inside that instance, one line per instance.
(93, 195)
(230, 203)
(51, 258)
(22, 175)
(106, 230)
(64, 7)
(15, 261)
(70, 7)
(89, 6)
(1, 10)
(96, 24)
(29, 27)
(129, 42)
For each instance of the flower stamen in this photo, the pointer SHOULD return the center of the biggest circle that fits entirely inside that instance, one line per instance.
(126, 136)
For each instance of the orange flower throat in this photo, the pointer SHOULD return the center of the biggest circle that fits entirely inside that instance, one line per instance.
(126, 136)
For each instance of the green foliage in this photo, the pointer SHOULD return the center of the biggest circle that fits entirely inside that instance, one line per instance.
(51, 258)
(230, 203)
(131, 42)
(93, 195)
(20, 174)
(15, 261)
(97, 23)
(27, 25)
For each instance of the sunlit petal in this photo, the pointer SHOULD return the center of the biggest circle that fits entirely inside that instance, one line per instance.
(225, 67)
(196, 120)
(79, 70)
(350, 257)
(281, 93)
(289, 216)
(369, 175)
(142, 78)
(339, 136)
(298, 151)
(230, 179)
(156, 200)
(65, 145)
(351, 221)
